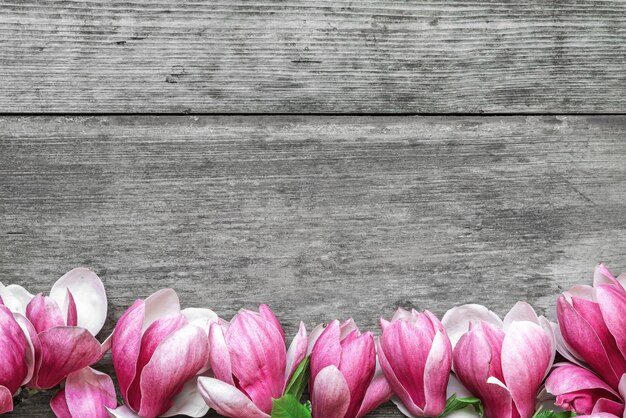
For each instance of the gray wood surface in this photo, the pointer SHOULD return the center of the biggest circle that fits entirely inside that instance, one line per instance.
(319, 217)
(339, 56)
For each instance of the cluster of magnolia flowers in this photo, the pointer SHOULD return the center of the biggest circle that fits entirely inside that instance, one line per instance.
(170, 361)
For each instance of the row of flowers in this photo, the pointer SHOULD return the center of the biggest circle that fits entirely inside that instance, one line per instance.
(170, 361)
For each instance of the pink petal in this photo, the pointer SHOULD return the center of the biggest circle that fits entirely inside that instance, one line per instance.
(378, 392)
(602, 275)
(521, 311)
(200, 317)
(330, 397)
(88, 393)
(164, 375)
(14, 349)
(268, 314)
(33, 350)
(313, 337)
(89, 296)
(457, 320)
(59, 406)
(436, 374)
(583, 338)
(296, 352)
(125, 345)
(327, 350)
(161, 303)
(44, 313)
(15, 297)
(6, 400)
(65, 350)
(476, 360)
(219, 357)
(188, 402)
(258, 357)
(347, 327)
(122, 412)
(71, 319)
(156, 333)
(357, 365)
(612, 303)
(526, 356)
(227, 400)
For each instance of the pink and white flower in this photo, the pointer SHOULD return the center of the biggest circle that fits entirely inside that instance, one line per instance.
(250, 363)
(501, 362)
(591, 333)
(61, 327)
(416, 356)
(86, 393)
(345, 380)
(158, 352)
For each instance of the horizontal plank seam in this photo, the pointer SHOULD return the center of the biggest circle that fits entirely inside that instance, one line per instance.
(375, 114)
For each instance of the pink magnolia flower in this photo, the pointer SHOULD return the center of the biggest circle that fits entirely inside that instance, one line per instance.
(250, 364)
(592, 334)
(501, 362)
(87, 393)
(16, 357)
(158, 352)
(61, 327)
(416, 356)
(345, 380)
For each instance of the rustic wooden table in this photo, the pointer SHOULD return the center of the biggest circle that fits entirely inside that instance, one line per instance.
(329, 158)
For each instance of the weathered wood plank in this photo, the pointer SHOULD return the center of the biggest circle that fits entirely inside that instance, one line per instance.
(319, 217)
(313, 56)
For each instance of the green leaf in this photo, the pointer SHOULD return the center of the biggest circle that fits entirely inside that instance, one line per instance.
(454, 404)
(299, 379)
(289, 407)
(551, 414)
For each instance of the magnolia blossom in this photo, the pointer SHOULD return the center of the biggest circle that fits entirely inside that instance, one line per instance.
(416, 356)
(16, 357)
(501, 362)
(345, 380)
(61, 327)
(158, 352)
(87, 393)
(250, 364)
(592, 334)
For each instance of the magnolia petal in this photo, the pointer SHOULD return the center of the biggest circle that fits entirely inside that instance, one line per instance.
(6, 400)
(314, 336)
(357, 365)
(58, 404)
(14, 349)
(347, 327)
(612, 302)
(44, 313)
(521, 311)
(268, 314)
(89, 296)
(65, 350)
(122, 412)
(164, 375)
(88, 393)
(126, 345)
(161, 303)
(402, 395)
(602, 275)
(200, 317)
(330, 397)
(15, 297)
(227, 400)
(188, 402)
(457, 320)
(378, 392)
(219, 356)
(327, 349)
(564, 348)
(436, 374)
(296, 353)
(526, 356)
(34, 346)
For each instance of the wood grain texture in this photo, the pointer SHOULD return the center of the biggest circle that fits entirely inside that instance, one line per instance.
(319, 217)
(388, 56)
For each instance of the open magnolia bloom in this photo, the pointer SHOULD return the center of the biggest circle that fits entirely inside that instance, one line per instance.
(416, 357)
(250, 363)
(592, 335)
(87, 393)
(345, 380)
(61, 327)
(501, 362)
(158, 353)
